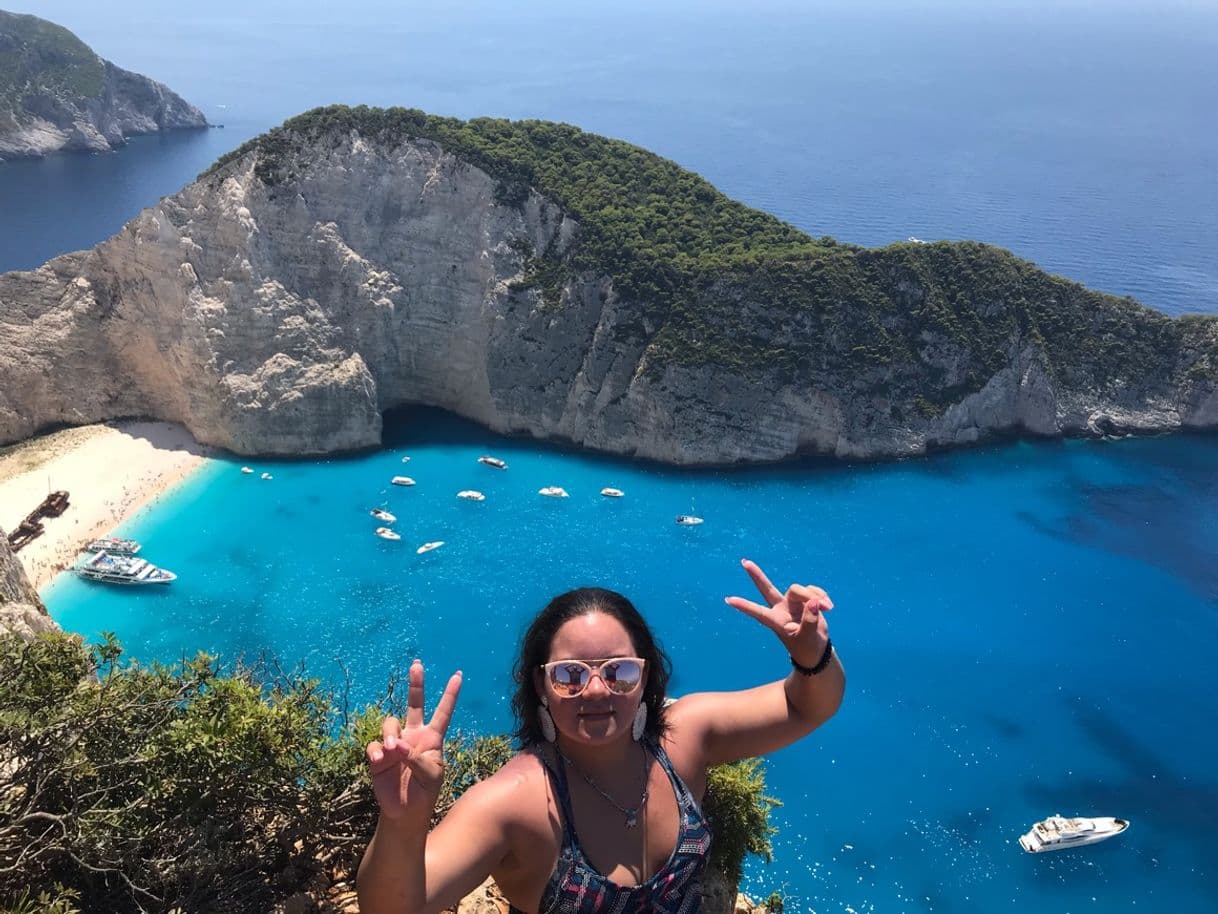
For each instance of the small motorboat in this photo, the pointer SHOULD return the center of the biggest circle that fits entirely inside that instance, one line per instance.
(402, 481)
(114, 546)
(386, 534)
(688, 520)
(493, 462)
(471, 495)
(611, 492)
(247, 470)
(266, 476)
(382, 515)
(405, 459)
(553, 492)
(427, 547)
(1057, 833)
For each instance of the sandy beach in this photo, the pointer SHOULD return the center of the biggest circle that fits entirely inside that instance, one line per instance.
(110, 471)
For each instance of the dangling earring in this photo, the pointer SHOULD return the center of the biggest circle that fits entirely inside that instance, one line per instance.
(546, 722)
(640, 722)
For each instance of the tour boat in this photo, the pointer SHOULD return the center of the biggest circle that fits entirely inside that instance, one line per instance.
(382, 514)
(471, 495)
(386, 534)
(247, 470)
(612, 492)
(553, 491)
(493, 462)
(114, 546)
(427, 547)
(1057, 833)
(688, 520)
(402, 481)
(123, 569)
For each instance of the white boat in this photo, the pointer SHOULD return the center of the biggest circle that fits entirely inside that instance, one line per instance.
(612, 492)
(405, 460)
(386, 534)
(402, 481)
(114, 546)
(247, 470)
(427, 547)
(123, 569)
(493, 462)
(553, 492)
(382, 514)
(688, 520)
(267, 476)
(471, 495)
(1057, 833)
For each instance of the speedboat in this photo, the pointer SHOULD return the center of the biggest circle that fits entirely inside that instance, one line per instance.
(267, 476)
(114, 546)
(386, 534)
(612, 492)
(493, 462)
(123, 569)
(688, 520)
(382, 514)
(1057, 833)
(405, 459)
(402, 481)
(553, 491)
(427, 547)
(247, 470)
(471, 495)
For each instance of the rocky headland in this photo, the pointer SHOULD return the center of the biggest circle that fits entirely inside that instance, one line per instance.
(545, 281)
(56, 93)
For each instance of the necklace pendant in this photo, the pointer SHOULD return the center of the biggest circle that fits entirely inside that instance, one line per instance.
(632, 820)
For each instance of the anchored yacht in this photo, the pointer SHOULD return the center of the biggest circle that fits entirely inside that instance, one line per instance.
(114, 546)
(553, 491)
(493, 462)
(386, 534)
(688, 520)
(402, 481)
(382, 515)
(611, 492)
(123, 569)
(471, 495)
(1058, 833)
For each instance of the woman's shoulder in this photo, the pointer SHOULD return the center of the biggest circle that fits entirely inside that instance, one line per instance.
(515, 790)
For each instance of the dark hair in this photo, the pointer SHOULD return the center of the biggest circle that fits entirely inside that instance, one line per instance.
(535, 650)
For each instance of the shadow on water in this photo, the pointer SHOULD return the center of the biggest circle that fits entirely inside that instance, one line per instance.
(1146, 790)
(1163, 511)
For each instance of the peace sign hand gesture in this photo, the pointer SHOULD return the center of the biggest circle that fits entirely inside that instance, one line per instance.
(796, 617)
(407, 763)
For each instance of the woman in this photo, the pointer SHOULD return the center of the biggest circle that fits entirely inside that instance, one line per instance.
(599, 811)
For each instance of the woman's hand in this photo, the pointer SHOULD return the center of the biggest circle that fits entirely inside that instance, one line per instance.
(796, 617)
(407, 763)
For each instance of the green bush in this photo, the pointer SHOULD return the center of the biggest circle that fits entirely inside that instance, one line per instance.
(195, 787)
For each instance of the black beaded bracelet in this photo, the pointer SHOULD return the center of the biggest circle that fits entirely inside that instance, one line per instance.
(820, 665)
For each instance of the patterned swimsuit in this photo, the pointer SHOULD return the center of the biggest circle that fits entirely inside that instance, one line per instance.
(576, 887)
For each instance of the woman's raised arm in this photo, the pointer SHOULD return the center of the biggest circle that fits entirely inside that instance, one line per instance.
(404, 870)
(735, 725)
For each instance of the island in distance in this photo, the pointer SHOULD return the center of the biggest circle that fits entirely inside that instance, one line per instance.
(56, 93)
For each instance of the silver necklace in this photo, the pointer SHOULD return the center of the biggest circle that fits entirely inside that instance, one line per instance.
(632, 815)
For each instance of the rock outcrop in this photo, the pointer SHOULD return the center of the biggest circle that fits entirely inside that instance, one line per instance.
(21, 612)
(55, 93)
(281, 303)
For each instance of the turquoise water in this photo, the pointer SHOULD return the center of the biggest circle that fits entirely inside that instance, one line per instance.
(1028, 628)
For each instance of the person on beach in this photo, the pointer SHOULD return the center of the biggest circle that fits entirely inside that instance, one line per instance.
(600, 809)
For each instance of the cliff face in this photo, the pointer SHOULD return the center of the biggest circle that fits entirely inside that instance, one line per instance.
(55, 93)
(21, 612)
(283, 316)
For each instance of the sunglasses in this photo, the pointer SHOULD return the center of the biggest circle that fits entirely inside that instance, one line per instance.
(568, 678)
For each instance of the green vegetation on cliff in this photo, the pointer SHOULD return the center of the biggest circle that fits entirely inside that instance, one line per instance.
(40, 57)
(712, 281)
(197, 788)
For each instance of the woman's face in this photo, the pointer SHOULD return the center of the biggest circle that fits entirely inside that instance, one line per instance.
(596, 715)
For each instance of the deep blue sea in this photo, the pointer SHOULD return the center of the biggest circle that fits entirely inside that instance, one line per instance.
(1028, 628)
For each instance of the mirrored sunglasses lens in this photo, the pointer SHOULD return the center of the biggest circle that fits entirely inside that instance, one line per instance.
(622, 675)
(569, 678)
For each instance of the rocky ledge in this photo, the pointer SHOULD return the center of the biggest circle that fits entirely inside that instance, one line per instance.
(56, 93)
(548, 282)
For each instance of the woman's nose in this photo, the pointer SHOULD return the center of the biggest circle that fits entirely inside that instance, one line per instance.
(598, 681)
